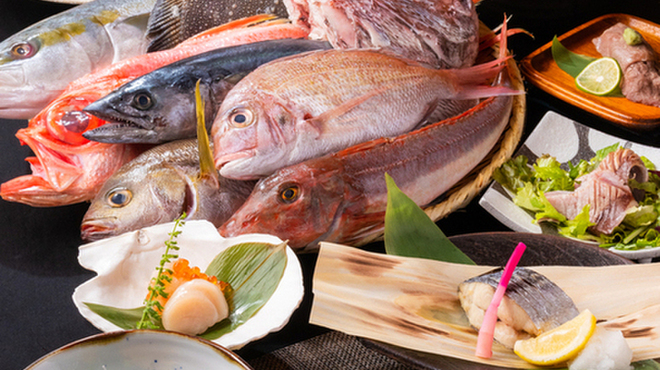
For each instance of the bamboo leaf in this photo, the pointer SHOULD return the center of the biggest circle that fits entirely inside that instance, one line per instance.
(570, 62)
(409, 232)
(253, 270)
(125, 318)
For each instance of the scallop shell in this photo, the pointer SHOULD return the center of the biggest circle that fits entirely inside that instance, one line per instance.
(125, 264)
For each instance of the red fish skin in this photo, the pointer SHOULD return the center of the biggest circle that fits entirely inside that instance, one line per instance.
(342, 197)
(72, 168)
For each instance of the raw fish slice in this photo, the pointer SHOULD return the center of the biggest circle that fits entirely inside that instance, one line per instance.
(531, 305)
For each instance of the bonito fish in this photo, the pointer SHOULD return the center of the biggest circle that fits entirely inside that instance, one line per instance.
(67, 166)
(531, 305)
(158, 186)
(342, 197)
(160, 106)
(37, 63)
(639, 63)
(305, 106)
(439, 34)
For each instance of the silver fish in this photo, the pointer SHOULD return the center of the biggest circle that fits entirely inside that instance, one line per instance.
(160, 105)
(531, 305)
(157, 187)
(37, 63)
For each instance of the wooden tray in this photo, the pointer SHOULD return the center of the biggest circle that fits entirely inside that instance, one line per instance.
(540, 69)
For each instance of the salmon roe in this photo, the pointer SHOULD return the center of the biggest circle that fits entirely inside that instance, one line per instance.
(180, 272)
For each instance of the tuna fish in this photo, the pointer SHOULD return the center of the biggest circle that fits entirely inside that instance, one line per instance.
(160, 105)
(639, 63)
(439, 34)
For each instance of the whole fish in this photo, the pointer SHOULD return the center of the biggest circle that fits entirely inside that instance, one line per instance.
(439, 34)
(342, 197)
(156, 187)
(66, 165)
(308, 105)
(37, 63)
(160, 106)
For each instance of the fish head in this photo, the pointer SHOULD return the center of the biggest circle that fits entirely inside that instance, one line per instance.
(148, 110)
(137, 196)
(66, 167)
(36, 65)
(251, 135)
(300, 203)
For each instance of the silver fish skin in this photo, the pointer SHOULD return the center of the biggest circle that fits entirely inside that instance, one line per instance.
(37, 63)
(437, 33)
(157, 187)
(531, 305)
(160, 106)
(342, 197)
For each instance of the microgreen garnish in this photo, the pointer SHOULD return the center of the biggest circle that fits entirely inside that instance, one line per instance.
(151, 315)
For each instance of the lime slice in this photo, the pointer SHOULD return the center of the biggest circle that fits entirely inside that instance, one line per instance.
(600, 77)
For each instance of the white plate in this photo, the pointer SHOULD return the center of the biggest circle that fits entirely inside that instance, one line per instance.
(568, 141)
(141, 349)
(125, 265)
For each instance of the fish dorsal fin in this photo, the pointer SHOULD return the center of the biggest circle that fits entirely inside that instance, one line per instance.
(206, 164)
(320, 122)
(165, 22)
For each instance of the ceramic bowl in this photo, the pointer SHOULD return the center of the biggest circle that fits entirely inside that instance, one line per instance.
(140, 350)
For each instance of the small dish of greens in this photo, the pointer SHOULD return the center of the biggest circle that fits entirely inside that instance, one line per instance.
(557, 153)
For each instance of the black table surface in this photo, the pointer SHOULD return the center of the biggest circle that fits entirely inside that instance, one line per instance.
(39, 246)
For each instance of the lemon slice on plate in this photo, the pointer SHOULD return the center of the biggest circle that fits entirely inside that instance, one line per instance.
(559, 344)
(600, 77)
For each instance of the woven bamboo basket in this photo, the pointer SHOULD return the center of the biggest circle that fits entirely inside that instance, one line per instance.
(462, 193)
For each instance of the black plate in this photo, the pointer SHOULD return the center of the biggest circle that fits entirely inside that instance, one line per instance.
(495, 249)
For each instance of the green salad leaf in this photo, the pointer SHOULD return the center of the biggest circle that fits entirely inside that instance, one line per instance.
(410, 232)
(529, 183)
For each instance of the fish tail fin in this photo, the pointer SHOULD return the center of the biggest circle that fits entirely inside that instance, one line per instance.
(473, 81)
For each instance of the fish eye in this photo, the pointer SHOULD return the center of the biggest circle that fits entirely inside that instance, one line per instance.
(143, 101)
(290, 194)
(75, 121)
(119, 197)
(241, 117)
(23, 50)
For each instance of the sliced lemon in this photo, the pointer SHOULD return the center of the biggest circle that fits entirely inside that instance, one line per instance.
(600, 77)
(559, 344)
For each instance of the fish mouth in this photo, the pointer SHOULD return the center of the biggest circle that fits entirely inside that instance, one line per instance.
(224, 159)
(97, 229)
(36, 192)
(121, 133)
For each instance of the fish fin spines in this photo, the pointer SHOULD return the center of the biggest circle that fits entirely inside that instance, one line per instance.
(206, 163)
(164, 28)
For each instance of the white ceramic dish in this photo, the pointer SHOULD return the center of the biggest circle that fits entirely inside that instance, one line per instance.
(140, 349)
(568, 141)
(125, 264)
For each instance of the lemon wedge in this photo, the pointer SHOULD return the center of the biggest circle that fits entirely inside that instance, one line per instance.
(559, 344)
(600, 77)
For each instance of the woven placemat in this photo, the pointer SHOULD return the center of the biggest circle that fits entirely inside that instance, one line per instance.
(330, 351)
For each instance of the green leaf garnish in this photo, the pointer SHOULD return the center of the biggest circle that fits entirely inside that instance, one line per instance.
(569, 62)
(125, 318)
(151, 317)
(254, 271)
(410, 232)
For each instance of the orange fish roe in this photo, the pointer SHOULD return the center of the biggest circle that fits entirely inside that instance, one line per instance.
(181, 272)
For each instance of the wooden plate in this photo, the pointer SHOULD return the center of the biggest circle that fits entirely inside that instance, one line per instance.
(495, 248)
(541, 70)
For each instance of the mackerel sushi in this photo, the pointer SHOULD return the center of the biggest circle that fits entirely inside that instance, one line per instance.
(531, 305)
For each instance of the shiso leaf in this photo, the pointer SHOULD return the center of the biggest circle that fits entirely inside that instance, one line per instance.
(125, 318)
(569, 62)
(409, 232)
(253, 270)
